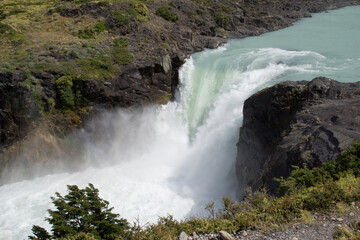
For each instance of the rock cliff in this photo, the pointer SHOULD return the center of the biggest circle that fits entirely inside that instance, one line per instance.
(295, 123)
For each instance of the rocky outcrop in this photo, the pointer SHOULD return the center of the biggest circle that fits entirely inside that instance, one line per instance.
(295, 123)
(17, 110)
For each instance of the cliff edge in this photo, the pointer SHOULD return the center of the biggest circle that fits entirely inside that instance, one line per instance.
(295, 123)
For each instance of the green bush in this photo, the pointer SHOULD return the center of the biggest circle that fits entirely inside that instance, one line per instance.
(99, 67)
(348, 233)
(82, 214)
(122, 56)
(120, 42)
(120, 18)
(36, 95)
(4, 28)
(89, 33)
(347, 163)
(221, 19)
(100, 27)
(139, 10)
(65, 94)
(166, 13)
(2, 15)
(86, 33)
(80, 236)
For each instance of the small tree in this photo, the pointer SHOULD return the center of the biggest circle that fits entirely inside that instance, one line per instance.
(82, 211)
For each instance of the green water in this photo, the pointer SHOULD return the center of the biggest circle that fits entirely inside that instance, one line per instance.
(328, 44)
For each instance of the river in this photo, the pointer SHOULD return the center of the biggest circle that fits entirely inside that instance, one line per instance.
(175, 158)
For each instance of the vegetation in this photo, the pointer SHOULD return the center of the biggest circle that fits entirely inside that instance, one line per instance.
(347, 164)
(68, 93)
(166, 13)
(139, 10)
(120, 54)
(258, 209)
(82, 214)
(345, 233)
(120, 18)
(221, 19)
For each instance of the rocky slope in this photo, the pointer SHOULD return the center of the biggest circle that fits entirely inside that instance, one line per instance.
(61, 61)
(295, 123)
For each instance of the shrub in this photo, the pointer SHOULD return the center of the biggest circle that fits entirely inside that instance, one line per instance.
(221, 19)
(139, 10)
(65, 95)
(82, 214)
(100, 27)
(99, 67)
(4, 28)
(166, 13)
(347, 163)
(36, 95)
(351, 233)
(120, 19)
(120, 42)
(2, 15)
(86, 33)
(122, 56)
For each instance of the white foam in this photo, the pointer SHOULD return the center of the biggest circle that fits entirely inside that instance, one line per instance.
(170, 159)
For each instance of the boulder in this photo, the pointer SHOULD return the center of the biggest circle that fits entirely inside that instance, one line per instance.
(225, 235)
(183, 236)
(295, 123)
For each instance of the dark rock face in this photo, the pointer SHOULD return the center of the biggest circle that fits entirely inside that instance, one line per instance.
(295, 123)
(17, 111)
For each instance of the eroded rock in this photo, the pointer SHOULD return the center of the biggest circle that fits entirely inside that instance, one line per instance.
(295, 123)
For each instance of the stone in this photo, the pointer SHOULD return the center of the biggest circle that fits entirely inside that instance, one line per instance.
(225, 235)
(183, 236)
(351, 214)
(295, 123)
(195, 236)
(294, 238)
(244, 233)
(166, 63)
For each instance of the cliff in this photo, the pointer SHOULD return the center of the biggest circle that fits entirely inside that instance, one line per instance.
(295, 124)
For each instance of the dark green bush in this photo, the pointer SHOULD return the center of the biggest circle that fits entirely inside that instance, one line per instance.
(65, 94)
(120, 42)
(86, 33)
(120, 19)
(221, 19)
(40, 233)
(324, 197)
(166, 13)
(4, 28)
(2, 15)
(100, 27)
(122, 56)
(83, 211)
(139, 10)
(347, 163)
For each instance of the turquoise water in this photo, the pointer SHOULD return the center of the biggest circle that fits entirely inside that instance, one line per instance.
(328, 44)
(173, 159)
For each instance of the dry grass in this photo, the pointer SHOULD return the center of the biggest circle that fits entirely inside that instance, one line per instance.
(36, 28)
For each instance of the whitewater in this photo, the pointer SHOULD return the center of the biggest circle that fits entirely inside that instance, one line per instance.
(175, 158)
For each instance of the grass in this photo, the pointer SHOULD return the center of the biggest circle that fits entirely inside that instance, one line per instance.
(261, 211)
(167, 13)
